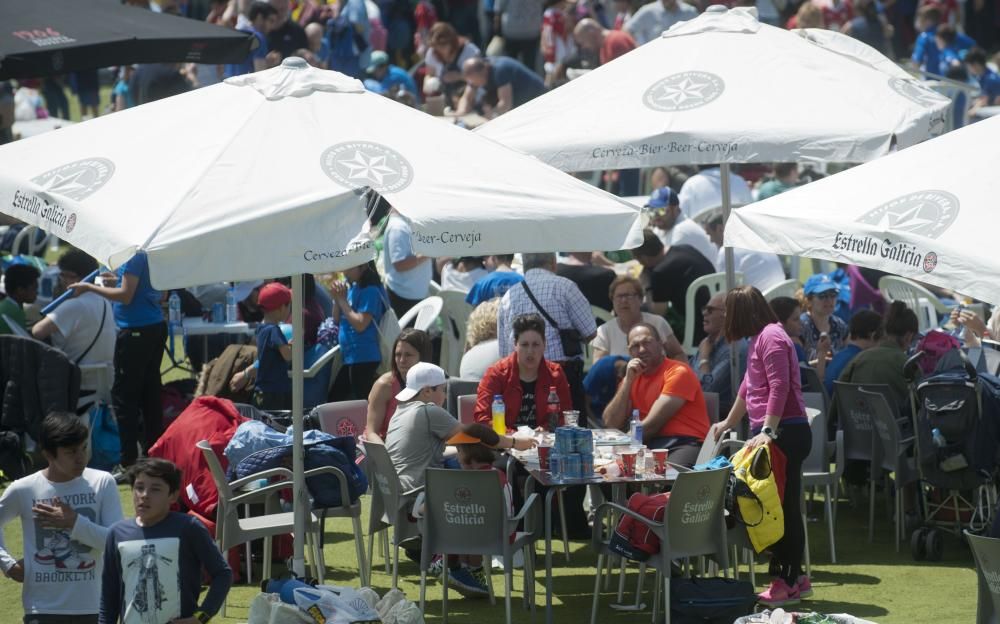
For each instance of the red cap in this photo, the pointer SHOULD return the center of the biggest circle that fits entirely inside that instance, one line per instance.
(274, 295)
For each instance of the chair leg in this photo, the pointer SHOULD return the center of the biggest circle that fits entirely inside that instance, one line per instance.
(656, 597)
(529, 579)
(753, 574)
(871, 509)
(562, 523)
(508, 582)
(319, 565)
(444, 583)
(666, 597)
(638, 585)
(621, 579)
(322, 527)
(829, 524)
(488, 569)
(597, 589)
(899, 517)
(268, 552)
(218, 544)
(395, 560)
(371, 554)
(805, 554)
(385, 550)
(423, 591)
(360, 547)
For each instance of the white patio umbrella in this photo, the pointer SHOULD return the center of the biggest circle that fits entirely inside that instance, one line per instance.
(725, 88)
(927, 213)
(266, 175)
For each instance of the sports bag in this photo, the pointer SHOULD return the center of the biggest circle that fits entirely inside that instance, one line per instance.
(105, 445)
(756, 494)
(710, 600)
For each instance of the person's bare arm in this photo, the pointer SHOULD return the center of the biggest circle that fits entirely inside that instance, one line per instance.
(505, 99)
(672, 347)
(410, 262)
(44, 328)
(660, 413)
(378, 398)
(467, 102)
(122, 294)
(598, 353)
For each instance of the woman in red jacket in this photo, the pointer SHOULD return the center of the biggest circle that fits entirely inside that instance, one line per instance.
(523, 378)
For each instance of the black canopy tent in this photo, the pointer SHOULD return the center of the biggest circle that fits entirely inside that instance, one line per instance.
(45, 37)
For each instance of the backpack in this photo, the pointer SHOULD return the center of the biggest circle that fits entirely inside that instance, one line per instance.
(710, 600)
(105, 445)
(632, 539)
(14, 461)
(935, 345)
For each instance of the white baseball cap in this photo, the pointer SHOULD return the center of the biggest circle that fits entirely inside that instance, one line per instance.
(421, 375)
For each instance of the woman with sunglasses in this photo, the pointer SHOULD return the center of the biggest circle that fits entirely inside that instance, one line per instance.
(818, 319)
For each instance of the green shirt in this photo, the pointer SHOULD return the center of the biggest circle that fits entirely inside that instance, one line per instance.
(772, 188)
(880, 365)
(13, 309)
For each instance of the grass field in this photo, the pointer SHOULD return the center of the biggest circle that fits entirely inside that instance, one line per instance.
(870, 580)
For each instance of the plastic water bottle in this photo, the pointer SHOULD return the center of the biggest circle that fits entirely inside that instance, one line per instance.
(231, 312)
(499, 415)
(553, 409)
(174, 309)
(640, 462)
(635, 429)
(938, 438)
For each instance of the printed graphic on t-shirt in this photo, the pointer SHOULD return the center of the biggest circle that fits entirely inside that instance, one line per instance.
(58, 558)
(526, 415)
(151, 577)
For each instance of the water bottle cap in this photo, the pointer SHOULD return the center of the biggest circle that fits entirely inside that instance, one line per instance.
(498, 397)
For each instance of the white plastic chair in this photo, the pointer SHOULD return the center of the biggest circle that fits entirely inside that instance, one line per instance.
(712, 406)
(455, 320)
(922, 301)
(422, 315)
(787, 288)
(715, 283)
(466, 406)
(817, 473)
(343, 417)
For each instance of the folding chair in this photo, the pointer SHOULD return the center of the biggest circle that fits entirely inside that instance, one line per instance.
(816, 471)
(715, 283)
(390, 505)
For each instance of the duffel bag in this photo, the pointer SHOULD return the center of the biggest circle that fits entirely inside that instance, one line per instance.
(710, 600)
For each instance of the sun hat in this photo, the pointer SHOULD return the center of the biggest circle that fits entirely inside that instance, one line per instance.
(421, 375)
(272, 296)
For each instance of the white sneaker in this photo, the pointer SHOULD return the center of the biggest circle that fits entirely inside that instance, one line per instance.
(518, 561)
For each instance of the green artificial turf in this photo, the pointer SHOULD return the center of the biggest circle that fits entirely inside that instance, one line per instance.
(870, 581)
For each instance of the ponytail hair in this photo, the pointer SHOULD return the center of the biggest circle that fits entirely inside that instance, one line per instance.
(900, 320)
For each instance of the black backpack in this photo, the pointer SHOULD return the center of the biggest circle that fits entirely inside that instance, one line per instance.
(14, 461)
(710, 600)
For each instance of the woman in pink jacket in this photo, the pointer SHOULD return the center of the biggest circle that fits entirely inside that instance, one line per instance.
(771, 394)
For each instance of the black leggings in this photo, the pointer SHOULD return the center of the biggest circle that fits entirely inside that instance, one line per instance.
(354, 381)
(136, 391)
(794, 441)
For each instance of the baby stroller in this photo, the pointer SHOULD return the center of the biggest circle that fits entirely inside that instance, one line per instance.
(957, 489)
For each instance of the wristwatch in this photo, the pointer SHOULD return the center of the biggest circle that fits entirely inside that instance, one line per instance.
(202, 617)
(771, 433)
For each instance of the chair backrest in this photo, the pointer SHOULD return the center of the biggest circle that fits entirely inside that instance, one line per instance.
(464, 512)
(709, 449)
(455, 313)
(422, 315)
(818, 459)
(715, 283)
(601, 314)
(466, 407)
(459, 387)
(887, 429)
(916, 297)
(695, 518)
(855, 418)
(787, 288)
(385, 480)
(712, 406)
(813, 384)
(218, 474)
(986, 553)
(343, 418)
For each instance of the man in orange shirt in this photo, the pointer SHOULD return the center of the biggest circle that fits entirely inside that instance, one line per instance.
(666, 393)
(609, 44)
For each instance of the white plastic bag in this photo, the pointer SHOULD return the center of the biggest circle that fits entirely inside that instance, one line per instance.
(388, 601)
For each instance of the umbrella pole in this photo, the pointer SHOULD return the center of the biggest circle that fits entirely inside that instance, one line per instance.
(727, 200)
(301, 497)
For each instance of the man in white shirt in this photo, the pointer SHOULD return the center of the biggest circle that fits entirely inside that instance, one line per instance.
(82, 327)
(65, 511)
(673, 228)
(407, 275)
(759, 268)
(652, 19)
(703, 191)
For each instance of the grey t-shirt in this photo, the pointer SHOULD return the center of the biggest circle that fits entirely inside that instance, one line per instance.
(416, 440)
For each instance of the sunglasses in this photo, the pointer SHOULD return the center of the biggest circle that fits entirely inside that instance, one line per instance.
(830, 294)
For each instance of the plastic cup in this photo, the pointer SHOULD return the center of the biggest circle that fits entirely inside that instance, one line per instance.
(660, 461)
(571, 418)
(543, 456)
(628, 463)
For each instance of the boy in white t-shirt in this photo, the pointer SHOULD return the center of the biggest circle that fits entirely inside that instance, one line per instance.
(65, 511)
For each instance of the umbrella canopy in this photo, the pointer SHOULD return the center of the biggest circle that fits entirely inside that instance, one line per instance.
(724, 88)
(264, 175)
(927, 213)
(46, 37)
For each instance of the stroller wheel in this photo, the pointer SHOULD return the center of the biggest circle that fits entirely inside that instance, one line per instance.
(934, 545)
(918, 545)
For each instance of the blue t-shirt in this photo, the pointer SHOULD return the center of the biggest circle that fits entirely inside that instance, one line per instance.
(398, 77)
(121, 88)
(837, 365)
(927, 55)
(154, 572)
(246, 65)
(989, 83)
(272, 375)
(496, 284)
(355, 347)
(145, 307)
(525, 84)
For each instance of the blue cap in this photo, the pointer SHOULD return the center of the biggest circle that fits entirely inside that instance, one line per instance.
(663, 197)
(820, 283)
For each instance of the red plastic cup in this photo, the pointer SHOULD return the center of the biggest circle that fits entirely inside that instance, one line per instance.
(628, 463)
(543, 456)
(660, 458)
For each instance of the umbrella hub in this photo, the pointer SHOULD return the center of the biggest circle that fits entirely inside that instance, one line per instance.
(296, 78)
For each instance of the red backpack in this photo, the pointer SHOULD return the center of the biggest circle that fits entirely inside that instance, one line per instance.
(633, 539)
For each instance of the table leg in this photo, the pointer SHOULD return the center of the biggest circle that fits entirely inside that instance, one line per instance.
(548, 553)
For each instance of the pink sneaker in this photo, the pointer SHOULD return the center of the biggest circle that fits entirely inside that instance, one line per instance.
(779, 594)
(804, 585)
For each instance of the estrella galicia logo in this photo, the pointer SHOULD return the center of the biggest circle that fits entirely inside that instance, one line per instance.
(683, 91)
(927, 213)
(463, 494)
(77, 180)
(916, 92)
(70, 223)
(930, 261)
(357, 164)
